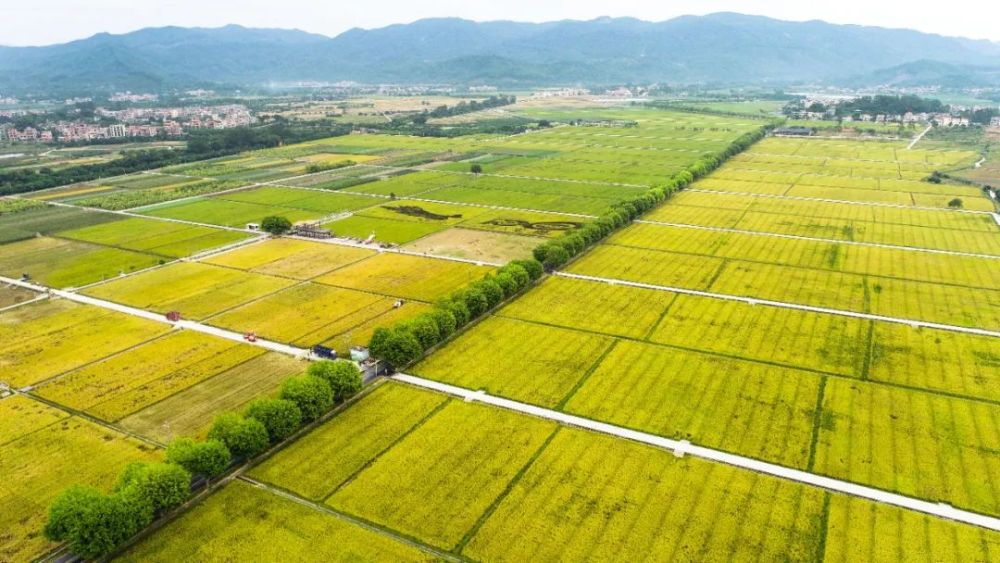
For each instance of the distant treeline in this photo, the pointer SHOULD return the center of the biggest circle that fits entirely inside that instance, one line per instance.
(890, 105)
(464, 107)
(201, 145)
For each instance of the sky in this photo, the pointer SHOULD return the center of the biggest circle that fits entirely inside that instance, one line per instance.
(44, 22)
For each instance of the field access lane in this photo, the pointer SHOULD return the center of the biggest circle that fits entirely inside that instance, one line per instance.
(156, 317)
(784, 305)
(683, 447)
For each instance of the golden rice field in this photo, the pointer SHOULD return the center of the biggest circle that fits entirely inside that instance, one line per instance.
(43, 449)
(129, 381)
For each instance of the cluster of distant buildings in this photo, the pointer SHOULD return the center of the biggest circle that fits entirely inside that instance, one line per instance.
(194, 117)
(132, 98)
(131, 123)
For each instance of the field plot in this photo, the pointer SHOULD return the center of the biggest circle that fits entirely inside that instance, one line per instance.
(596, 498)
(162, 238)
(524, 361)
(196, 290)
(10, 295)
(190, 412)
(27, 221)
(225, 212)
(244, 522)
(614, 310)
(299, 199)
(756, 410)
(476, 245)
(318, 465)
(401, 275)
(44, 449)
(390, 231)
(64, 263)
(639, 265)
(119, 386)
(412, 487)
(859, 530)
(42, 340)
(311, 313)
(960, 364)
(807, 340)
(297, 259)
(922, 444)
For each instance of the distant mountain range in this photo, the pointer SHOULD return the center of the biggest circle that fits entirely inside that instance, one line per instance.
(723, 48)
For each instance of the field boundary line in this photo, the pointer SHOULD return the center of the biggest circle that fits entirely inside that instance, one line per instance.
(817, 239)
(478, 524)
(781, 304)
(843, 201)
(350, 519)
(683, 447)
(916, 139)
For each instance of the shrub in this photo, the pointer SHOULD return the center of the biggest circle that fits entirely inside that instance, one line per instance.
(311, 394)
(476, 169)
(541, 251)
(424, 328)
(209, 458)
(533, 267)
(244, 437)
(343, 376)
(396, 346)
(955, 203)
(163, 485)
(276, 225)
(280, 417)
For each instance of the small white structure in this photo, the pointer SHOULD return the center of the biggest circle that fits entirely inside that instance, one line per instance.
(253, 227)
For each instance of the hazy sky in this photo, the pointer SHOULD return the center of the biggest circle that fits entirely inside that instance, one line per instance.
(41, 22)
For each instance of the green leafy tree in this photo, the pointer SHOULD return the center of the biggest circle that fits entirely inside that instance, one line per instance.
(445, 321)
(476, 301)
(163, 485)
(507, 283)
(555, 257)
(534, 268)
(458, 309)
(313, 395)
(276, 225)
(492, 290)
(518, 273)
(424, 328)
(244, 437)
(396, 346)
(209, 458)
(476, 169)
(343, 376)
(280, 417)
(94, 524)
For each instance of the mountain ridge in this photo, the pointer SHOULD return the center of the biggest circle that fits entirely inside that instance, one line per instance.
(722, 48)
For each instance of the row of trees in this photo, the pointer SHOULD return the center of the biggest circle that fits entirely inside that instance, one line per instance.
(407, 341)
(472, 106)
(95, 523)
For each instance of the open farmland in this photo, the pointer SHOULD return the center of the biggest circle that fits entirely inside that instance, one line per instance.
(885, 404)
(547, 493)
(656, 334)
